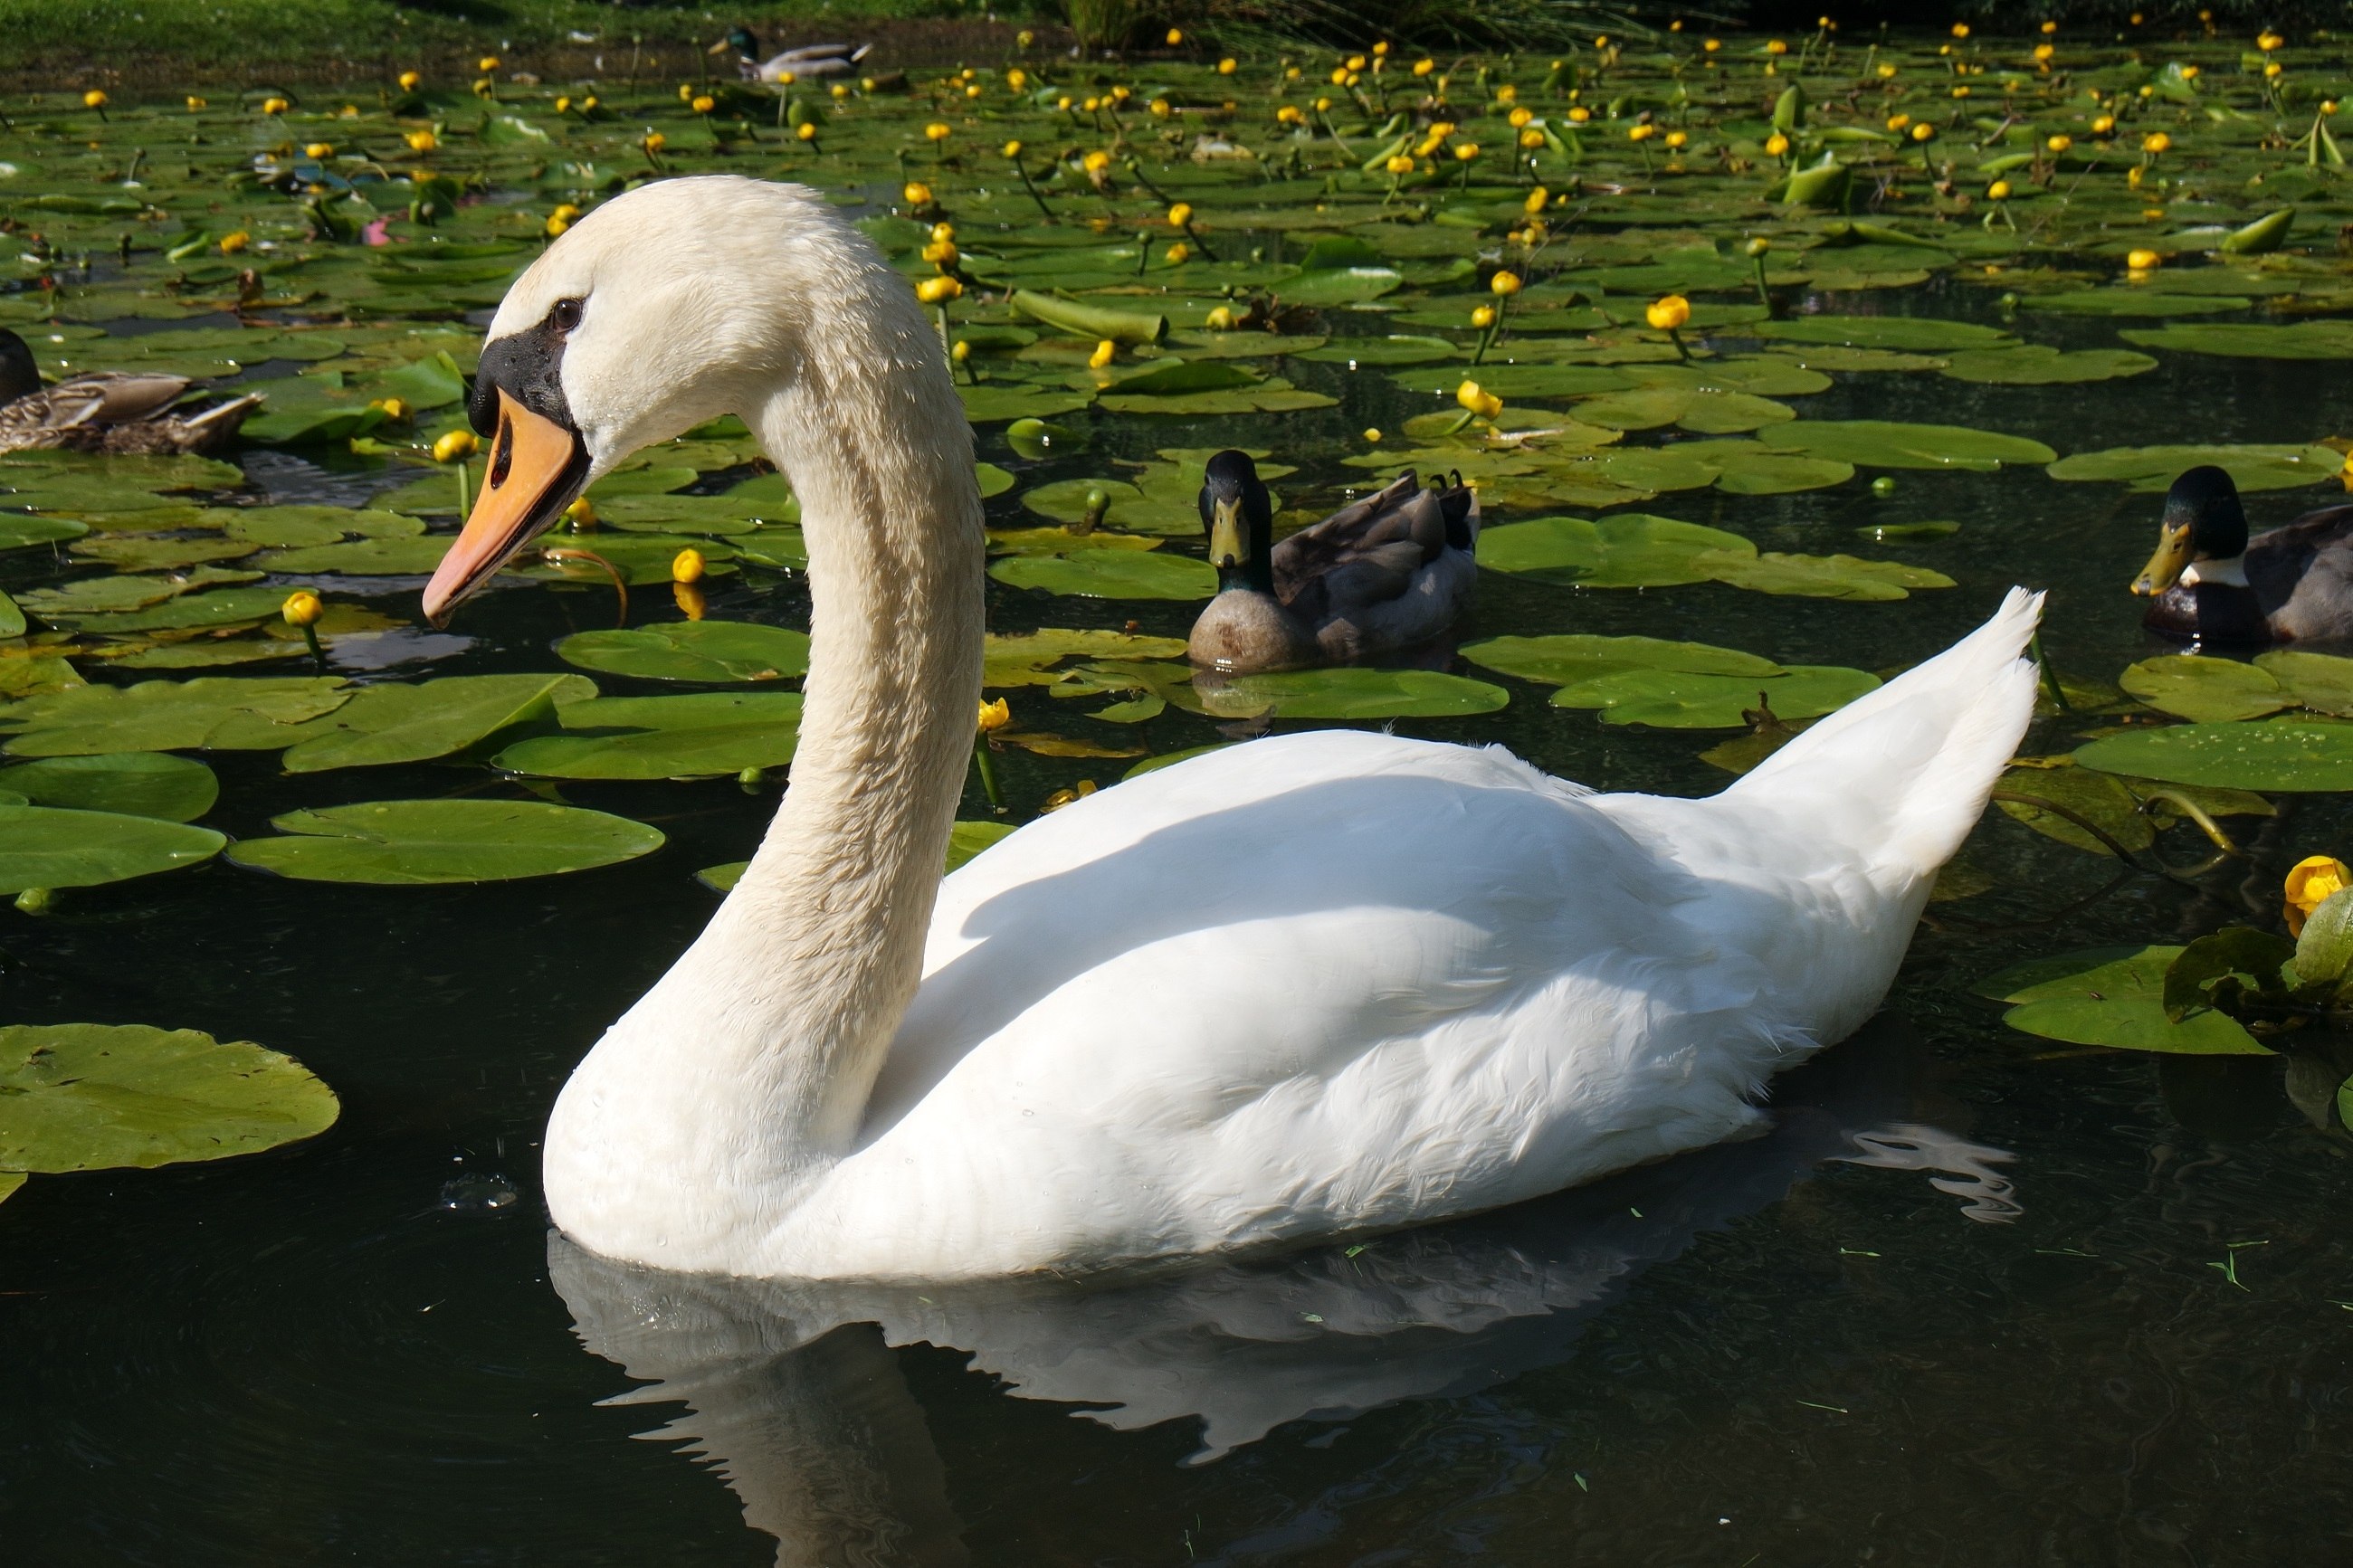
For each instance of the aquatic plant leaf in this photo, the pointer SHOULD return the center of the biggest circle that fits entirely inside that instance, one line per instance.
(996, 401)
(395, 723)
(2151, 470)
(133, 784)
(2280, 755)
(713, 651)
(412, 557)
(2206, 690)
(2321, 682)
(417, 842)
(1110, 575)
(1566, 658)
(1519, 380)
(91, 1096)
(49, 846)
(1681, 700)
(1753, 468)
(1821, 576)
(1028, 659)
(2316, 338)
(966, 839)
(2039, 365)
(1349, 693)
(695, 736)
(1629, 550)
(1886, 444)
(1913, 333)
(1342, 285)
(2134, 302)
(168, 715)
(19, 529)
(2100, 798)
(2110, 996)
(1397, 348)
(1706, 410)
(219, 607)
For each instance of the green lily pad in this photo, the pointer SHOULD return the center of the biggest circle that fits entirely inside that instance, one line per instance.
(1519, 380)
(1911, 332)
(2111, 996)
(995, 402)
(2205, 689)
(1110, 575)
(394, 723)
(1682, 699)
(2316, 338)
(1884, 444)
(133, 784)
(1753, 468)
(17, 529)
(1350, 693)
(2134, 302)
(1708, 411)
(1397, 348)
(2320, 681)
(90, 1097)
(715, 651)
(2039, 365)
(168, 716)
(1566, 658)
(1629, 550)
(416, 842)
(2274, 755)
(697, 736)
(1028, 659)
(44, 847)
(416, 556)
(2151, 470)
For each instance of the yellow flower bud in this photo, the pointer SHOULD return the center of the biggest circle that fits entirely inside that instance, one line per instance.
(687, 565)
(1221, 320)
(487, 64)
(1465, 151)
(1025, 37)
(421, 141)
(1504, 285)
(1013, 149)
(94, 98)
(303, 608)
(318, 150)
(1104, 350)
(1423, 68)
(2312, 883)
(1923, 133)
(942, 254)
(1161, 108)
(1960, 30)
(942, 231)
(234, 241)
(275, 106)
(685, 91)
(1998, 191)
(1179, 254)
(1399, 164)
(1668, 312)
(2102, 125)
(916, 193)
(1176, 36)
(1776, 47)
(2156, 142)
(410, 82)
(939, 291)
(1373, 434)
(195, 103)
(1227, 66)
(702, 103)
(655, 142)
(1017, 78)
(2044, 51)
(1578, 114)
(1096, 161)
(2267, 41)
(1776, 144)
(2189, 73)
(2059, 143)
(994, 716)
(455, 446)
(1641, 133)
(806, 131)
(1475, 399)
(960, 352)
(1712, 45)
(1535, 202)
(1482, 316)
(396, 409)
(2144, 260)
(581, 515)
(1180, 214)
(936, 131)
(589, 103)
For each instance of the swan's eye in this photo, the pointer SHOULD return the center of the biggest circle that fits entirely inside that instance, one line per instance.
(564, 316)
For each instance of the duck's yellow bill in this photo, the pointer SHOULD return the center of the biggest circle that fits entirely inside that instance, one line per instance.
(537, 467)
(2165, 568)
(1226, 544)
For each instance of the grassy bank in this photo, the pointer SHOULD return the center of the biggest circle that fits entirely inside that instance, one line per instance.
(166, 42)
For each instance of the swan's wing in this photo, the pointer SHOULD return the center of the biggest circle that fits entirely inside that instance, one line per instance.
(1320, 983)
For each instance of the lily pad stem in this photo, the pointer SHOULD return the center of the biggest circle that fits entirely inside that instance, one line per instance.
(310, 641)
(560, 554)
(986, 765)
(2195, 813)
(2050, 675)
(465, 492)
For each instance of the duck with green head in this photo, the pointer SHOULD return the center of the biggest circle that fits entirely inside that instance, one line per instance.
(2209, 583)
(1392, 571)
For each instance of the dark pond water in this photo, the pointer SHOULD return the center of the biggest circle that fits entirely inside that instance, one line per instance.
(1962, 1306)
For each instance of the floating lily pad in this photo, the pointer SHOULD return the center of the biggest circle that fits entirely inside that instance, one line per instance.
(696, 736)
(1350, 693)
(2111, 996)
(168, 716)
(2316, 338)
(413, 842)
(1395, 349)
(2151, 470)
(1825, 577)
(89, 1097)
(2039, 365)
(2276, 755)
(1568, 658)
(416, 556)
(133, 784)
(1884, 444)
(45, 847)
(995, 402)
(1630, 550)
(2206, 690)
(1708, 411)
(715, 651)
(1110, 575)
(2320, 681)
(394, 723)
(1682, 700)
(2134, 302)
(1883, 333)
(18, 530)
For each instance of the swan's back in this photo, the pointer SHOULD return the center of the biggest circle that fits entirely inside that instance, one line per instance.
(1343, 981)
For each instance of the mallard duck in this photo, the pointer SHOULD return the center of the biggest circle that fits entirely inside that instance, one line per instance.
(807, 60)
(1355, 979)
(2209, 584)
(105, 411)
(1389, 571)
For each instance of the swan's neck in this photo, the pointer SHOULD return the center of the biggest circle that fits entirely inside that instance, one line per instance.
(743, 1074)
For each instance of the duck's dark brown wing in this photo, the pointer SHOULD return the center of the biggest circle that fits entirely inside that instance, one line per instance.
(113, 397)
(2277, 561)
(1401, 514)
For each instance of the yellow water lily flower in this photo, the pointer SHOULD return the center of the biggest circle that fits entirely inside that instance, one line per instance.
(275, 106)
(1012, 149)
(2312, 883)
(2144, 260)
(1227, 66)
(2156, 142)
(1668, 312)
(2059, 143)
(702, 103)
(94, 99)
(1922, 133)
(396, 409)
(195, 103)
(1482, 316)
(1999, 190)
(1476, 399)
(421, 141)
(456, 446)
(806, 131)
(1221, 320)
(235, 241)
(303, 608)
(937, 130)
(1537, 201)
(916, 193)
(688, 565)
(1776, 144)
(410, 80)
(1180, 214)
(939, 291)
(994, 716)
(1104, 350)
(487, 63)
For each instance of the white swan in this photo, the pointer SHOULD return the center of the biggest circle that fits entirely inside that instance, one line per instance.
(1316, 984)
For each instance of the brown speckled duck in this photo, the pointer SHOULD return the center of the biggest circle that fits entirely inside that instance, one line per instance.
(2209, 584)
(1392, 571)
(105, 411)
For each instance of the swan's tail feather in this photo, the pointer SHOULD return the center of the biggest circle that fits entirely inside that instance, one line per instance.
(1902, 774)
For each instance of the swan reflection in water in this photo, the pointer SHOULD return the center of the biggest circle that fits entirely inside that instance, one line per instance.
(793, 1393)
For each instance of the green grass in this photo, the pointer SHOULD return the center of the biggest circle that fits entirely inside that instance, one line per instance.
(219, 40)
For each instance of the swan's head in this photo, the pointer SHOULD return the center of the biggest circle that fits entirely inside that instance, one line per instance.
(668, 306)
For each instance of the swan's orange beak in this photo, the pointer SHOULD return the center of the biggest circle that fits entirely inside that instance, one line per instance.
(537, 467)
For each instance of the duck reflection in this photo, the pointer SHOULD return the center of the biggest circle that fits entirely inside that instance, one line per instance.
(794, 1394)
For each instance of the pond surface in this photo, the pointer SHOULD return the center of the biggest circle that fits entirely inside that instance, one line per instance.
(1978, 1297)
